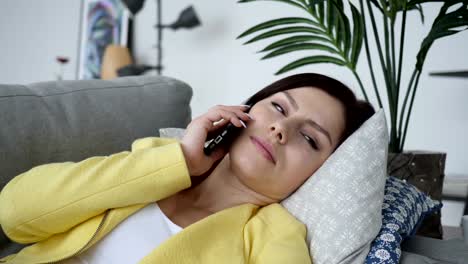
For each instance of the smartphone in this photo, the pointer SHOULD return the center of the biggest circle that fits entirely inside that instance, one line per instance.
(222, 139)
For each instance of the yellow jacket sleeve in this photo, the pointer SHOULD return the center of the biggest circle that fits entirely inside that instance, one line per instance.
(53, 198)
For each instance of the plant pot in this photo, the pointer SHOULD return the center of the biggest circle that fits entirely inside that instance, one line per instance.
(425, 170)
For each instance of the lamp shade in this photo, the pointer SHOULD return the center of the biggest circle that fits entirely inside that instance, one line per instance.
(115, 57)
(187, 19)
(134, 5)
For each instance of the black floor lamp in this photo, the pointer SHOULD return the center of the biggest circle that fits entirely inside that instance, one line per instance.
(460, 74)
(187, 19)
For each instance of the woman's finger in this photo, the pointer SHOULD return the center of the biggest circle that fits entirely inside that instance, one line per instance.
(219, 114)
(228, 113)
(219, 124)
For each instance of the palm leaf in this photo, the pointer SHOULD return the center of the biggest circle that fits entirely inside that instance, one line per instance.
(444, 25)
(318, 12)
(277, 22)
(328, 30)
(339, 28)
(281, 31)
(299, 47)
(294, 40)
(358, 35)
(314, 2)
(337, 23)
(421, 13)
(310, 60)
(321, 11)
(330, 18)
(347, 35)
(343, 28)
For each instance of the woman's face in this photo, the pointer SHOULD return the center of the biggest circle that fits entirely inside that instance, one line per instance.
(302, 126)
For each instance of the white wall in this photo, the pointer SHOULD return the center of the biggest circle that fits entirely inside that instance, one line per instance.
(32, 34)
(223, 71)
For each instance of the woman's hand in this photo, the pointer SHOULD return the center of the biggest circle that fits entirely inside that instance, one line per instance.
(197, 132)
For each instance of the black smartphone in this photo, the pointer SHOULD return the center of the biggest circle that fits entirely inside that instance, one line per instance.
(222, 139)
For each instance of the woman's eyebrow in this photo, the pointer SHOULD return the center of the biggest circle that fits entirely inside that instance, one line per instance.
(314, 124)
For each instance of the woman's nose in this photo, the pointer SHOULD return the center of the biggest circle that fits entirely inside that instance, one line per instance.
(278, 133)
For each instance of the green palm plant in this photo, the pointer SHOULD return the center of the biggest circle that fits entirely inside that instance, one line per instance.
(326, 28)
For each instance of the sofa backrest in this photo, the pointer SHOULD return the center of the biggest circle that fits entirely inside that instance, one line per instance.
(72, 120)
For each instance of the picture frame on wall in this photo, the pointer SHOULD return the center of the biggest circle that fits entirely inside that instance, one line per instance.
(103, 22)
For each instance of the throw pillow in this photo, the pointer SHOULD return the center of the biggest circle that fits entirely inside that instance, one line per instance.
(172, 132)
(341, 202)
(403, 210)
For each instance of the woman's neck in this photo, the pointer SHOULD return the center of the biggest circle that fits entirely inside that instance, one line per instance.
(222, 189)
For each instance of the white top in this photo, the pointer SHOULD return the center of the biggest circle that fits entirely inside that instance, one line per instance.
(131, 240)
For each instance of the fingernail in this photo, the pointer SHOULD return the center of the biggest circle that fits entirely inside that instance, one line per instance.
(243, 124)
(248, 106)
(250, 116)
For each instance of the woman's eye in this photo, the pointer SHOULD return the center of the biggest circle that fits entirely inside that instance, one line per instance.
(278, 107)
(312, 142)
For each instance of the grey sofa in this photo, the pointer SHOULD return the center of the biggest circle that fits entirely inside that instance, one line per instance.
(73, 120)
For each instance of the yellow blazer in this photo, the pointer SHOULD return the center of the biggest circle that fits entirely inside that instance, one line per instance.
(65, 208)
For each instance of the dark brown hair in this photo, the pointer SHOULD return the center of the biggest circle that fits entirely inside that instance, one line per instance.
(356, 111)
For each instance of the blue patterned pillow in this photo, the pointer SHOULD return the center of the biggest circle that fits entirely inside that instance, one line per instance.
(403, 209)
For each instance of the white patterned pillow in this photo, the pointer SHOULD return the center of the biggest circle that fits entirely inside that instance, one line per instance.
(341, 203)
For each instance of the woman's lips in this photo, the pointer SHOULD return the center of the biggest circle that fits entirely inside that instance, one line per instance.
(262, 149)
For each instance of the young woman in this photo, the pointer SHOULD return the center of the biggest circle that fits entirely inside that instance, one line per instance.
(141, 206)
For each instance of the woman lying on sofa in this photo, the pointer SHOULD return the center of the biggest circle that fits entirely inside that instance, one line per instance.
(142, 207)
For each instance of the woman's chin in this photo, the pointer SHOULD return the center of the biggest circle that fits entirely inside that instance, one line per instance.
(251, 164)
(248, 162)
